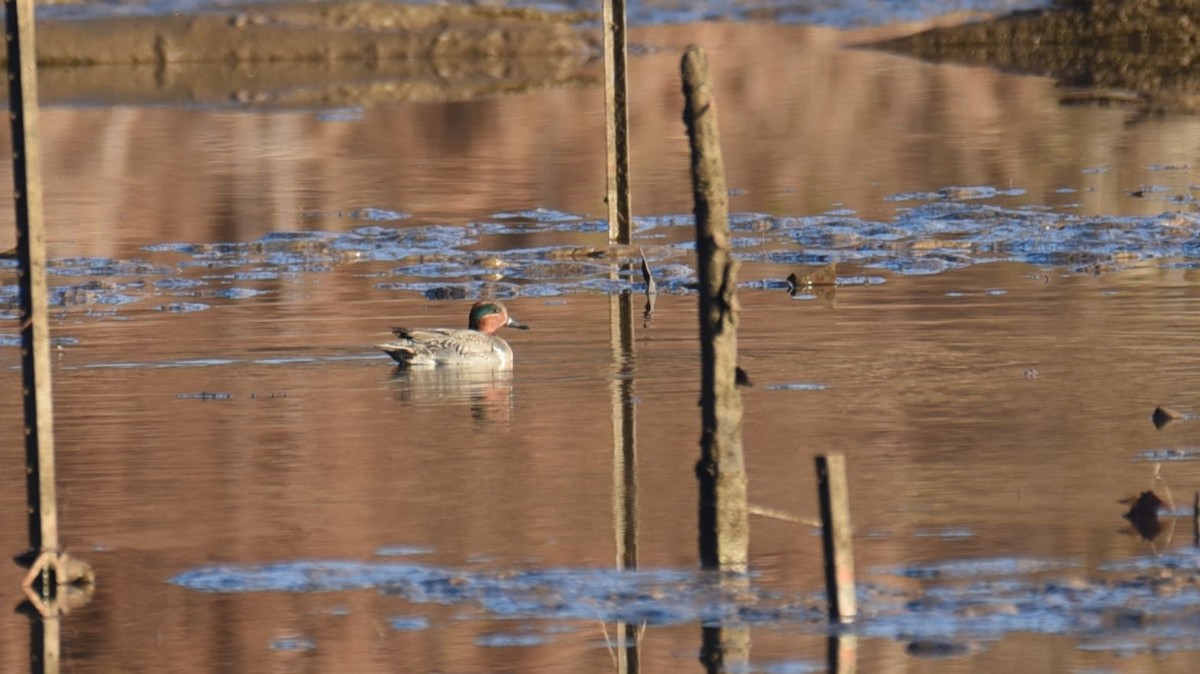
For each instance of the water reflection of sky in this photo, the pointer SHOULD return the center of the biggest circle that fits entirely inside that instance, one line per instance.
(836, 13)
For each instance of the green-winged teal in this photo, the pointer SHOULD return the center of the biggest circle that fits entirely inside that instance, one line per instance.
(478, 345)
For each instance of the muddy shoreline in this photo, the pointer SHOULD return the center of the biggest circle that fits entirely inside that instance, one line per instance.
(366, 31)
(1142, 52)
(304, 54)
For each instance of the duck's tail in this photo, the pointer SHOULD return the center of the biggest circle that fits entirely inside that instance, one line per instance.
(400, 352)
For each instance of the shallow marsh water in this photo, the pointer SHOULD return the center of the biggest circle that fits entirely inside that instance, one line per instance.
(1009, 315)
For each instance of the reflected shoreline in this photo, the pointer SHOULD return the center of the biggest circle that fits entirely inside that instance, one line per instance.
(810, 127)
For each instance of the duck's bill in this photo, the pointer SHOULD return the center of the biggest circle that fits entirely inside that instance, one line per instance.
(514, 323)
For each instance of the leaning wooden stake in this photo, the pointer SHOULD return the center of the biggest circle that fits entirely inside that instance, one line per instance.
(724, 521)
(836, 536)
(47, 564)
(616, 122)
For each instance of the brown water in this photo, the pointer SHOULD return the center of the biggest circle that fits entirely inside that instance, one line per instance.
(996, 411)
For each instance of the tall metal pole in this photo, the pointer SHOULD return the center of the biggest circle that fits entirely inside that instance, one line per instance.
(31, 255)
(616, 122)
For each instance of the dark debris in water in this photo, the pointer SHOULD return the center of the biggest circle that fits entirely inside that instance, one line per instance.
(204, 395)
(937, 648)
(1165, 415)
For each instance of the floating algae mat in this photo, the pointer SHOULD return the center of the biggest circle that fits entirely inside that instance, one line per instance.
(458, 262)
(1141, 604)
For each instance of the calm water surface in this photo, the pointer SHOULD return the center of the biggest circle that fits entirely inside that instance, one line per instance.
(231, 410)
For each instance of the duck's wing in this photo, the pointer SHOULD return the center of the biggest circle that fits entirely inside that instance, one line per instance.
(411, 346)
(432, 346)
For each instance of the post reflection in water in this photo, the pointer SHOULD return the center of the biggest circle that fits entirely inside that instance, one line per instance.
(45, 638)
(842, 656)
(624, 439)
(726, 648)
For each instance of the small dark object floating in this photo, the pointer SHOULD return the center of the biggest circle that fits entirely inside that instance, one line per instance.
(204, 395)
(742, 379)
(821, 278)
(933, 648)
(1164, 415)
(1143, 514)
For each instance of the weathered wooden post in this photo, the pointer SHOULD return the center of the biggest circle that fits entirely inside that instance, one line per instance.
(724, 521)
(724, 514)
(616, 122)
(47, 564)
(836, 537)
(31, 254)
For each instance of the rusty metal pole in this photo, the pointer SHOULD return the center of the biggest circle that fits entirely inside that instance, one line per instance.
(616, 122)
(31, 255)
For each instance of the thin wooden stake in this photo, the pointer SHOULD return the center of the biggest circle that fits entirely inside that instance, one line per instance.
(48, 566)
(616, 122)
(724, 520)
(31, 255)
(1196, 520)
(651, 289)
(836, 537)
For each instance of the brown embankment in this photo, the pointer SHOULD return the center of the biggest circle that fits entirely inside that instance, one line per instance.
(1147, 48)
(301, 54)
(355, 31)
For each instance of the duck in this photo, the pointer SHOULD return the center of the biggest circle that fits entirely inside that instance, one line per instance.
(478, 345)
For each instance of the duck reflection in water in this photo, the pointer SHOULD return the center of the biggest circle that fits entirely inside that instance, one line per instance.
(486, 391)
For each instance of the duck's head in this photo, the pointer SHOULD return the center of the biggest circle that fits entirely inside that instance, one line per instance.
(488, 316)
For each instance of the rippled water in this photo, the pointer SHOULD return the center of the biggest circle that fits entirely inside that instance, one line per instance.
(259, 488)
